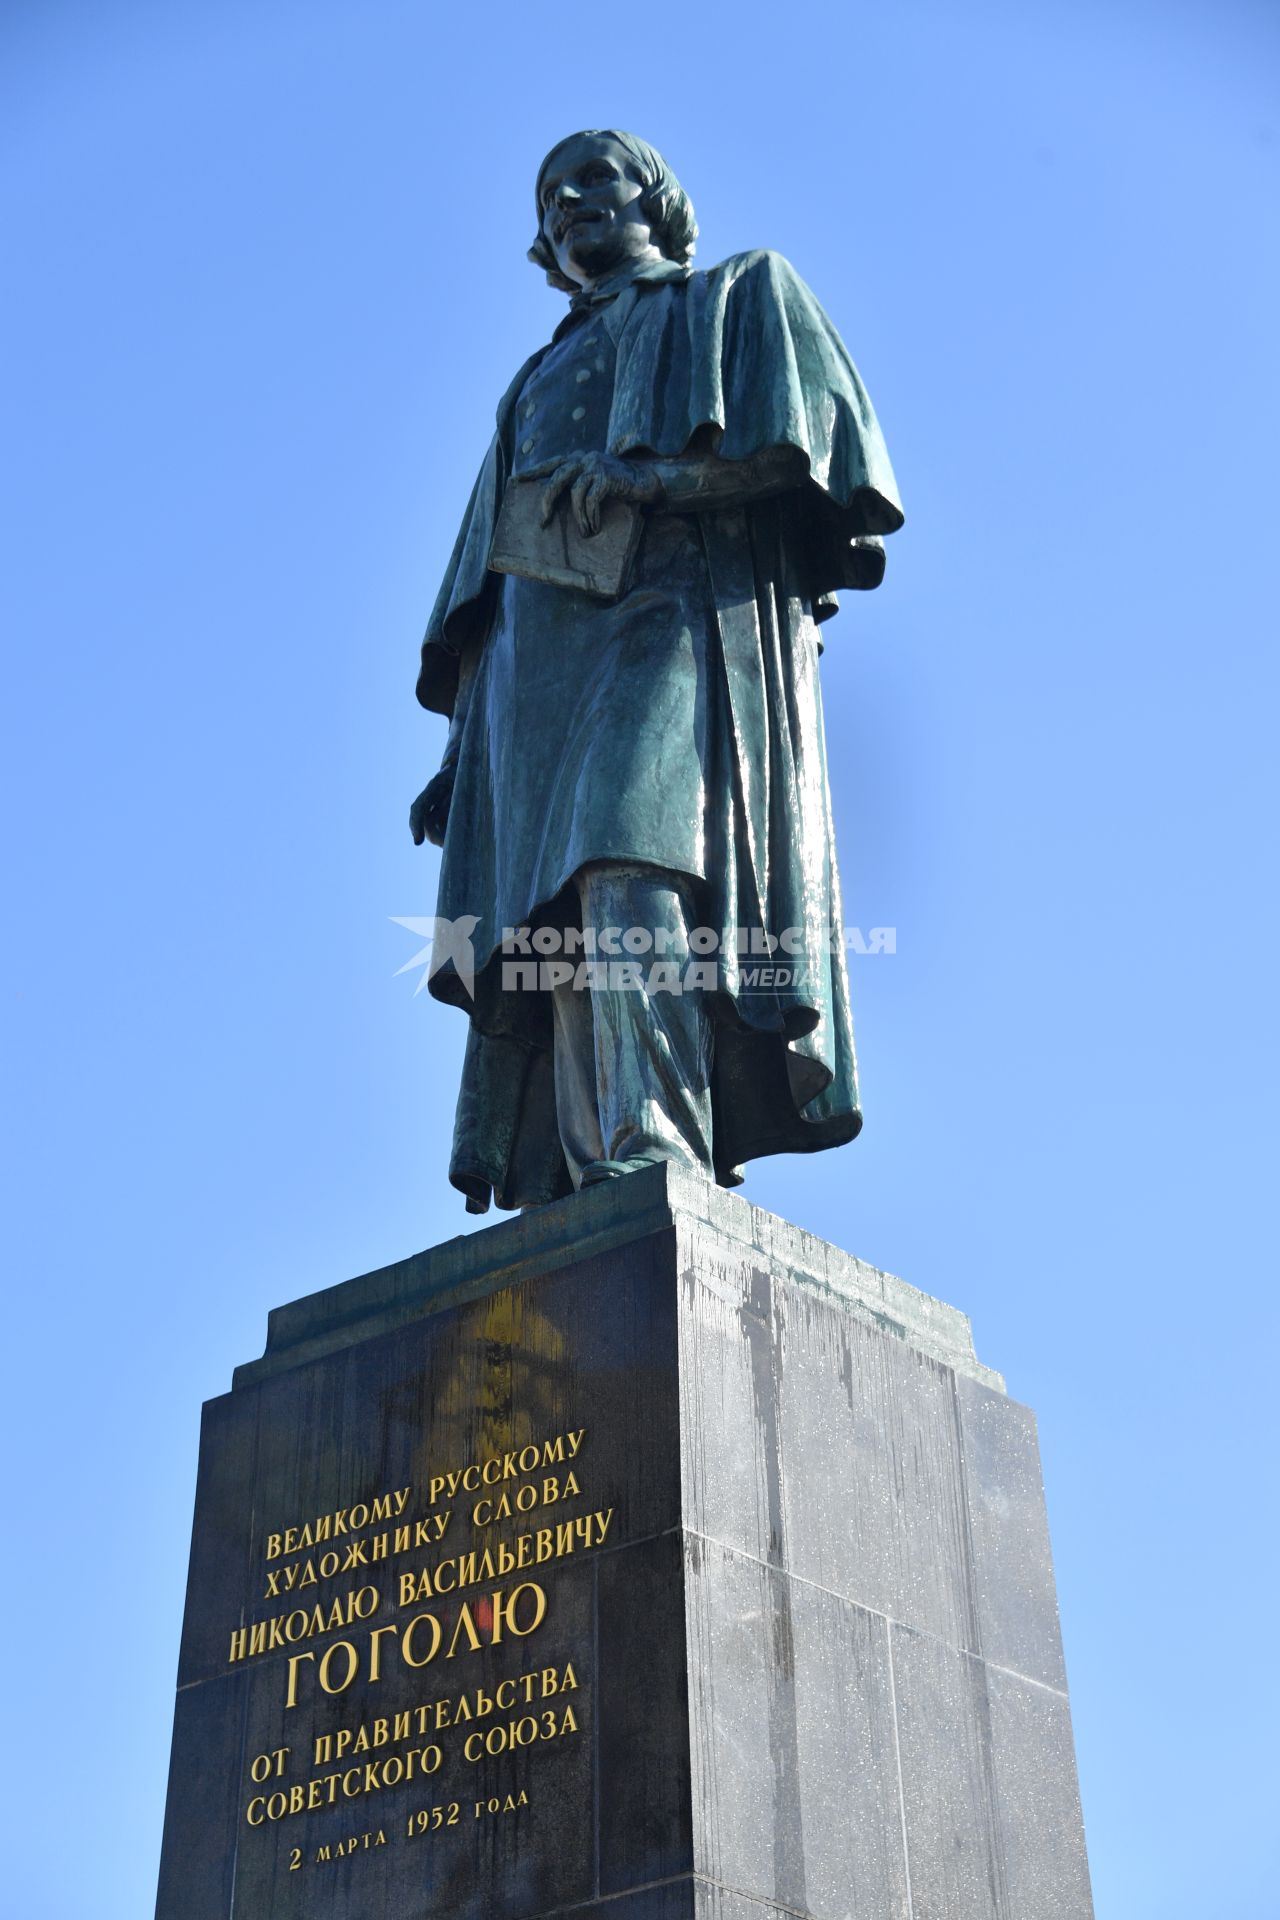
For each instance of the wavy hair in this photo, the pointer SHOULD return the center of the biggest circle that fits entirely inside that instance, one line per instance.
(664, 203)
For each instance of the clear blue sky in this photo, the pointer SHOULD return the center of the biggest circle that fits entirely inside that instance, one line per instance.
(266, 280)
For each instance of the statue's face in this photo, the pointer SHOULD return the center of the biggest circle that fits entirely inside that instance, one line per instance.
(591, 214)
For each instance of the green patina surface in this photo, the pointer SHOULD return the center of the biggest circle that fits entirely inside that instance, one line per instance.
(679, 726)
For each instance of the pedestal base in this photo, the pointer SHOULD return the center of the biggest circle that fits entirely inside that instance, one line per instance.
(641, 1557)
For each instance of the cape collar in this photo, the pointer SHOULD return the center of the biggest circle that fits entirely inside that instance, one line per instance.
(584, 305)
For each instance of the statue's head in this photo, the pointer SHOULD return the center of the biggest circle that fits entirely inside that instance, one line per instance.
(605, 198)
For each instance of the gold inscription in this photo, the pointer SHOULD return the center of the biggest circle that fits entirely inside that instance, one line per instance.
(436, 1623)
(519, 1611)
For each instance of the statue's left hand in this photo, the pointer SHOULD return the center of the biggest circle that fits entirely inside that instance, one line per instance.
(593, 478)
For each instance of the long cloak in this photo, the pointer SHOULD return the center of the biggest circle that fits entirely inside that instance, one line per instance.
(735, 361)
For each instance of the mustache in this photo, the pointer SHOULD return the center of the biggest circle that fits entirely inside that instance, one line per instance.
(575, 217)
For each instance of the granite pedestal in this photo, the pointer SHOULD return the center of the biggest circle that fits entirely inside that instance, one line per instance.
(640, 1557)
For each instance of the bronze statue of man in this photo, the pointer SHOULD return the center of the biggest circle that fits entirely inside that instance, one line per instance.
(635, 773)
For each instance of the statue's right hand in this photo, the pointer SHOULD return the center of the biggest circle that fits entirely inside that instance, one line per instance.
(429, 814)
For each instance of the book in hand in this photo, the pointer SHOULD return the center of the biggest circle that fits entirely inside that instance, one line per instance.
(560, 554)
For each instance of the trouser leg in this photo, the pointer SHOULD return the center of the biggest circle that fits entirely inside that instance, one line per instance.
(633, 1066)
(577, 1114)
